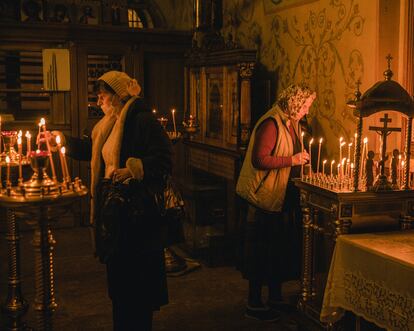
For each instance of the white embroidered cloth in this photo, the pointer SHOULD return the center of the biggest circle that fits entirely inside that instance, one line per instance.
(372, 275)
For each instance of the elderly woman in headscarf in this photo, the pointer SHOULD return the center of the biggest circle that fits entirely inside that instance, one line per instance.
(272, 242)
(128, 146)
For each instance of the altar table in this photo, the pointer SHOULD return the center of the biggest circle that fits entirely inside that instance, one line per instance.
(372, 275)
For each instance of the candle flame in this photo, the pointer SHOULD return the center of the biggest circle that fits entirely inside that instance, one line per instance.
(8, 159)
(399, 156)
(340, 139)
(352, 165)
(324, 161)
(402, 162)
(63, 150)
(343, 160)
(320, 140)
(343, 143)
(302, 134)
(333, 161)
(350, 144)
(173, 110)
(38, 151)
(154, 111)
(42, 122)
(311, 142)
(365, 140)
(57, 140)
(355, 135)
(28, 135)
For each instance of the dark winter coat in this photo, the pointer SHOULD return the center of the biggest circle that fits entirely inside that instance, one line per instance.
(136, 265)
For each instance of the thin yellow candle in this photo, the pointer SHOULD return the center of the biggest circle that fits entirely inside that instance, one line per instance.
(355, 143)
(310, 157)
(339, 171)
(352, 168)
(29, 144)
(349, 151)
(323, 167)
(301, 147)
(399, 169)
(363, 157)
(8, 171)
(65, 165)
(58, 142)
(332, 163)
(340, 149)
(319, 154)
(173, 117)
(52, 166)
(0, 140)
(19, 148)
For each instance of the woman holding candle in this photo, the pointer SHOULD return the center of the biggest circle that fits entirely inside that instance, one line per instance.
(272, 246)
(128, 146)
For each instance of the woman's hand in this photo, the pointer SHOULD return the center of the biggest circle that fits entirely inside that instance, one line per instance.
(300, 158)
(120, 175)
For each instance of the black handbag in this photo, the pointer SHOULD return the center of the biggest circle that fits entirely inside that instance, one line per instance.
(119, 208)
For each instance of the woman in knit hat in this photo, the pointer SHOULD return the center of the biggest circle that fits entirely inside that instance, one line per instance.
(273, 229)
(128, 146)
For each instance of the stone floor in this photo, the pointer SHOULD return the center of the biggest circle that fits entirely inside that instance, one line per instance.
(210, 299)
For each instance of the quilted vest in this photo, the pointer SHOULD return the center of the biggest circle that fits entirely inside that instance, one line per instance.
(266, 189)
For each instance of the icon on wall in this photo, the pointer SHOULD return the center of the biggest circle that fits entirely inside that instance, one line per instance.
(31, 11)
(89, 12)
(56, 69)
(59, 12)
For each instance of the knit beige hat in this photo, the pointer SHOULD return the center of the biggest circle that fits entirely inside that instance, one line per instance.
(121, 83)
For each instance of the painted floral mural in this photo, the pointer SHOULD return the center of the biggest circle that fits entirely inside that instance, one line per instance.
(310, 43)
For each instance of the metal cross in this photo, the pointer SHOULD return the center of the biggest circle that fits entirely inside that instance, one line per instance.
(384, 132)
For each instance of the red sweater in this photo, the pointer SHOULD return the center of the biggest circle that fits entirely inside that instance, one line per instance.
(265, 141)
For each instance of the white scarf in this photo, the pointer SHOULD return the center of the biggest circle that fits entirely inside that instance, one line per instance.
(100, 133)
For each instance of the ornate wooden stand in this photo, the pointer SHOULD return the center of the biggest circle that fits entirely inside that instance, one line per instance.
(38, 211)
(327, 215)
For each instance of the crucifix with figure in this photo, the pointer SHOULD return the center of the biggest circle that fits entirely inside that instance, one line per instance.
(384, 131)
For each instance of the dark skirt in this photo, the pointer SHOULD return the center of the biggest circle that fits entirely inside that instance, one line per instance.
(272, 249)
(138, 279)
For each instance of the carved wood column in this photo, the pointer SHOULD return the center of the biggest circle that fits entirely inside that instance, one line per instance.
(246, 72)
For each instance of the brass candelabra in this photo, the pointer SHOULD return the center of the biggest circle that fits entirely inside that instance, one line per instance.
(39, 200)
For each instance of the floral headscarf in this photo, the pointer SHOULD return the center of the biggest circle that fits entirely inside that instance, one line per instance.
(293, 97)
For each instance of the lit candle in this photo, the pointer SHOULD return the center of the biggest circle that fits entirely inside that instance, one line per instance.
(402, 172)
(173, 117)
(342, 166)
(52, 165)
(323, 167)
(65, 165)
(29, 145)
(58, 142)
(319, 154)
(355, 143)
(340, 149)
(19, 148)
(363, 156)
(352, 168)
(339, 171)
(349, 151)
(310, 157)
(332, 163)
(399, 169)
(0, 140)
(301, 147)
(8, 171)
